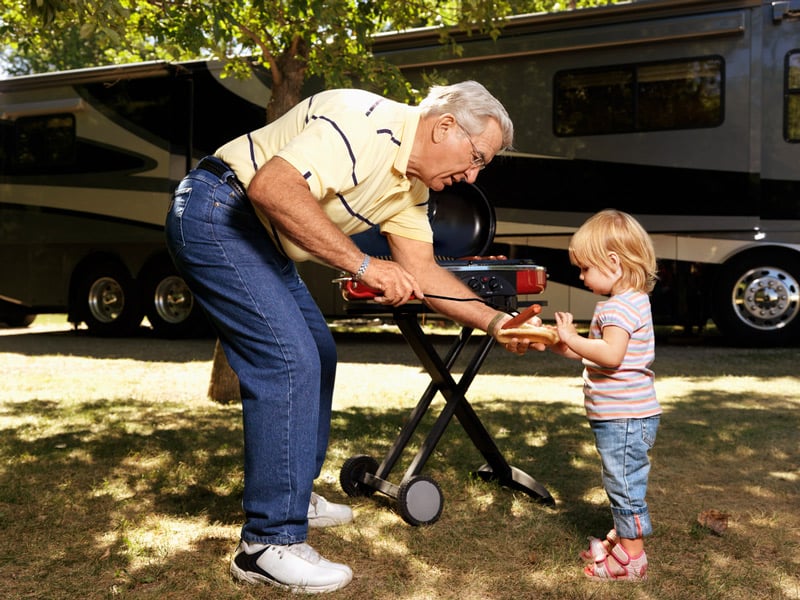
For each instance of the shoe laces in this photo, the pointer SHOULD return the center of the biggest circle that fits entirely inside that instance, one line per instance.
(304, 551)
(315, 501)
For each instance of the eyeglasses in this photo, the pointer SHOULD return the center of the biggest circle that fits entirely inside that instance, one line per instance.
(478, 158)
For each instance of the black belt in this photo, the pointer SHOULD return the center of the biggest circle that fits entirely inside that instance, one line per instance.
(216, 167)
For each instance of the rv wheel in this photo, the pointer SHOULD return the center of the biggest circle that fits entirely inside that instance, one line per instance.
(757, 297)
(106, 298)
(168, 302)
(17, 321)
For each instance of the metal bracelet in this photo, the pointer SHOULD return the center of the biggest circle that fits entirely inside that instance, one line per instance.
(362, 269)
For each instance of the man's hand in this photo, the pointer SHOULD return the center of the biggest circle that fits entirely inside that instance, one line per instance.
(397, 285)
(520, 345)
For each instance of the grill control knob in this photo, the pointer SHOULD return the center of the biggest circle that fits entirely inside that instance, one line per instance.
(474, 284)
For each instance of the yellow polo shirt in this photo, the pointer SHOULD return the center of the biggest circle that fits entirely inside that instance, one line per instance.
(352, 147)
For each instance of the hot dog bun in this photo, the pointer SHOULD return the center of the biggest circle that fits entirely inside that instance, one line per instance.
(532, 333)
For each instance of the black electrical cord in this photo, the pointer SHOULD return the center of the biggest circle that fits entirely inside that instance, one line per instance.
(513, 313)
(452, 299)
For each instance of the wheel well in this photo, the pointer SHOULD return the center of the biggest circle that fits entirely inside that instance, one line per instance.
(769, 252)
(751, 253)
(158, 258)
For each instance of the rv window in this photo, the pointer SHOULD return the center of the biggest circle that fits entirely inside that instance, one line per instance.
(40, 142)
(645, 97)
(792, 119)
(593, 102)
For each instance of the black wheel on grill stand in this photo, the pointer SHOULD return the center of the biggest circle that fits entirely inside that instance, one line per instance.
(420, 500)
(353, 470)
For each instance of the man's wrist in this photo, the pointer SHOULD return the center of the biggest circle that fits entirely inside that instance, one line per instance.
(492, 327)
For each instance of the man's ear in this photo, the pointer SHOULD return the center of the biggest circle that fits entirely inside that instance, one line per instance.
(442, 125)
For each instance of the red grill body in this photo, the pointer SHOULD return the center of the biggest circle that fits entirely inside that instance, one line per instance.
(498, 281)
(499, 277)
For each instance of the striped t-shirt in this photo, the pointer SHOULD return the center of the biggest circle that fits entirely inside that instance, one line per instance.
(352, 147)
(626, 391)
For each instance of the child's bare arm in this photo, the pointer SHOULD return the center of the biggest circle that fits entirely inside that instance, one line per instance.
(562, 349)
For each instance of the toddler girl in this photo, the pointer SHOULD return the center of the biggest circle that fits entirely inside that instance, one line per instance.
(616, 259)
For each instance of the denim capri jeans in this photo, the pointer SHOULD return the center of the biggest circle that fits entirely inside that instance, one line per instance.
(624, 446)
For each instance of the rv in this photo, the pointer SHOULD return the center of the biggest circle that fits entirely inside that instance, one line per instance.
(683, 113)
(88, 160)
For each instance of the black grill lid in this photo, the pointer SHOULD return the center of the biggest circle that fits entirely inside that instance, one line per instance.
(462, 219)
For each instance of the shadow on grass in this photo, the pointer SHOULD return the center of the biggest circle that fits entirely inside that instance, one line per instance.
(76, 501)
(144, 347)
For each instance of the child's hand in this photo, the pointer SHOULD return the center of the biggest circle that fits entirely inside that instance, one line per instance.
(564, 326)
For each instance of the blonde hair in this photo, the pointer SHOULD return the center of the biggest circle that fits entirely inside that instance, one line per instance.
(615, 231)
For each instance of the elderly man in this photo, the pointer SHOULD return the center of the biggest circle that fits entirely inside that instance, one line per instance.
(334, 165)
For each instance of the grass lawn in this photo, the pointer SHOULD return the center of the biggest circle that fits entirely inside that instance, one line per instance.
(119, 479)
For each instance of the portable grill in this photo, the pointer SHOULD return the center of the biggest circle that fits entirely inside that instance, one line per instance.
(463, 225)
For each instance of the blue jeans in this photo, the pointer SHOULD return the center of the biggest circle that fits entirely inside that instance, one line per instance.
(275, 339)
(624, 445)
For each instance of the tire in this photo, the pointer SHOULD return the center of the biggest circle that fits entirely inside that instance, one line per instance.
(756, 299)
(17, 321)
(106, 298)
(420, 500)
(169, 303)
(352, 471)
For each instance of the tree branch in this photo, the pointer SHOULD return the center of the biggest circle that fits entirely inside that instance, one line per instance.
(269, 58)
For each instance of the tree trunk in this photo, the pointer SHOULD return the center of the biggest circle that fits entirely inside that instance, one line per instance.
(286, 92)
(224, 384)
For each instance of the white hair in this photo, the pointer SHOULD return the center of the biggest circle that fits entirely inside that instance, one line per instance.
(472, 105)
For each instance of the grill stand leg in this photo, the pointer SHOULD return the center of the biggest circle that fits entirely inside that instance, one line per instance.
(496, 467)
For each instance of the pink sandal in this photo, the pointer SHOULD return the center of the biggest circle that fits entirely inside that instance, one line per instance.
(599, 549)
(621, 568)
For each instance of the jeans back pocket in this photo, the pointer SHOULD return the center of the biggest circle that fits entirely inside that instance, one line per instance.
(174, 223)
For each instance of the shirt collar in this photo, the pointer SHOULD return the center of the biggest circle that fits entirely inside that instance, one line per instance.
(407, 141)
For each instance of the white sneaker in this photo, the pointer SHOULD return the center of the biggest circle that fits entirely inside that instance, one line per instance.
(296, 567)
(322, 513)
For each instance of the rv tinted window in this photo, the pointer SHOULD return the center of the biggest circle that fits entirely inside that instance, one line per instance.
(683, 94)
(142, 105)
(593, 102)
(792, 118)
(40, 142)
